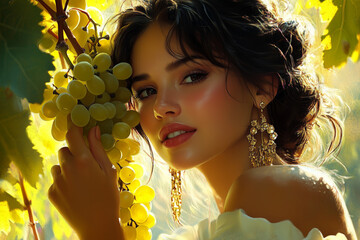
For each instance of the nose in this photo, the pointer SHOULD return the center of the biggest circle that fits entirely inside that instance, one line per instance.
(166, 105)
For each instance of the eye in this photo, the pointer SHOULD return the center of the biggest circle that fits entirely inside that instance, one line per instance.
(144, 93)
(195, 77)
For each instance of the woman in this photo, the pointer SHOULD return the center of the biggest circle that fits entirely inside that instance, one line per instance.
(213, 81)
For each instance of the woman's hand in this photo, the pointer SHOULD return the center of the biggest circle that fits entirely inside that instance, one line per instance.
(85, 190)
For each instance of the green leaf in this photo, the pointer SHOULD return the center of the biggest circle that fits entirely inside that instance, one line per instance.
(343, 29)
(23, 67)
(4, 165)
(12, 202)
(14, 142)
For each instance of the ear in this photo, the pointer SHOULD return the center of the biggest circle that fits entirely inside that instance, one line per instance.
(266, 90)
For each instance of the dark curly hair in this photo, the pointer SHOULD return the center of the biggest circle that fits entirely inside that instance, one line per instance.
(253, 38)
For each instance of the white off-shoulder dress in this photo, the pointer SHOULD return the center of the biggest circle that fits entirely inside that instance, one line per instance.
(238, 225)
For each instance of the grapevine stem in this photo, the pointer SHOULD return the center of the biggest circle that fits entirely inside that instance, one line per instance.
(73, 40)
(60, 18)
(66, 4)
(62, 26)
(27, 204)
(62, 60)
(48, 9)
(52, 33)
(62, 48)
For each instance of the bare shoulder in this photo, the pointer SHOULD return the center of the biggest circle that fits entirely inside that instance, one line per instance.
(304, 195)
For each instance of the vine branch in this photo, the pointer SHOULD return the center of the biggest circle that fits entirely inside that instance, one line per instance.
(27, 204)
(60, 16)
(48, 9)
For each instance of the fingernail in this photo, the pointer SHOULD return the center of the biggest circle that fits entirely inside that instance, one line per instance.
(97, 132)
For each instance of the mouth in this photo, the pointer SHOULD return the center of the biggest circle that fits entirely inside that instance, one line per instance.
(176, 133)
(174, 130)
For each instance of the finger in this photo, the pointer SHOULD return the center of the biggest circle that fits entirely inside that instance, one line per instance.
(65, 160)
(75, 141)
(64, 155)
(55, 171)
(97, 149)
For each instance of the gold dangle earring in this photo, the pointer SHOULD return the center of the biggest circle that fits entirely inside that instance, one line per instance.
(265, 153)
(176, 194)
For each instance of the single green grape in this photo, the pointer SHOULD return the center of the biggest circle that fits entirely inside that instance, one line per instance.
(77, 89)
(134, 185)
(60, 78)
(80, 34)
(111, 83)
(127, 174)
(129, 233)
(83, 20)
(121, 130)
(84, 57)
(73, 19)
(132, 118)
(65, 102)
(144, 194)
(61, 121)
(80, 116)
(123, 147)
(138, 168)
(122, 71)
(95, 14)
(95, 85)
(126, 199)
(102, 62)
(114, 155)
(143, 232)
(139, 212)
(49, 109)
(125, 215)
(134, 146)
(111, 110)
(83, 71)
(104, 46)
(98, 112)
(47, 43)
(57, 134)
(107, 141)
(150, 221)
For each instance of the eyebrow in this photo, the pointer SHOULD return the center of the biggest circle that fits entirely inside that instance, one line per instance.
(171, 66)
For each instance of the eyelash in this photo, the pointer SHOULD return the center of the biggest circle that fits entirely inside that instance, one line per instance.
(201, 75)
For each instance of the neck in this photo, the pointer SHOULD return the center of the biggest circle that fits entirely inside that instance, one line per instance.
(222, 170)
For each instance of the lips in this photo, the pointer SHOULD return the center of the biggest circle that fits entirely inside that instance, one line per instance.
(173, 127)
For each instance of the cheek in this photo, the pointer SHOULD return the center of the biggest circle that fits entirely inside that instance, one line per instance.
(209, 102)
(147, 119)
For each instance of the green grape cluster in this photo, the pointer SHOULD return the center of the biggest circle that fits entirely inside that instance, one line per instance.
(95, 94)
(135, 199)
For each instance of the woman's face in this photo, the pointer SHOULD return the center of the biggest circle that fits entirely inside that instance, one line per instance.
(188, 98)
